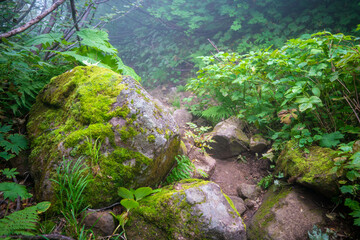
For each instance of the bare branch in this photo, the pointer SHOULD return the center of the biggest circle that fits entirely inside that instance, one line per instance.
(27, 12)
(33, 21)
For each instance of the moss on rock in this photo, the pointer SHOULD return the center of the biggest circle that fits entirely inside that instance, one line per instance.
(311, 169)
(182, 211)
(98, 104)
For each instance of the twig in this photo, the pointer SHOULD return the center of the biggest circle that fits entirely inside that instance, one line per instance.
(213, 44)
(104, 208)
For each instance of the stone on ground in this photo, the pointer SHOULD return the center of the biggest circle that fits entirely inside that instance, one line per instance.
(248, 191)
(286, 214)
(190, 209)
(101, 223)
(313, 169)
(229, 138)
(258, 144)
(125, 137)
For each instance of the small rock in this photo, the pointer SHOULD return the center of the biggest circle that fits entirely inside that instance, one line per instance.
(248, 191)
(239, 204)
(202, 161)
(258, 144)
(250, 203)
(100, 222)
(229, 138)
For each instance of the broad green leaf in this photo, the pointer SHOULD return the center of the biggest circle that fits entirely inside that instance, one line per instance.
(142, 192)
(129, 204)
(354, 205)
(334, 76)
(353, 175)
(96, 39)
(13, 190)
(331, 139)
(47, 39)
(125, 193)
(42, 207)
(355, 162)
(316, 91)
(305, 106)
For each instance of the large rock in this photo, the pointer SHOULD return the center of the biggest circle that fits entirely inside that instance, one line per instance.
(229, 138)
(287, 214)
(313, 169)
(190, 210)
(90, 105)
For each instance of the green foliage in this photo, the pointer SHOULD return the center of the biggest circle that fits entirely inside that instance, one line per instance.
(331, 139)
(11, 143)
(350, 188)
(71, 180)
(23, 221)
(199, 137)
(13, 190)
(132, 197)
(93, 149)
(317, 234)
(309, 80)
(164, 52)
(9, 173)
(23, 74)
(266, 182)
(95, 49)
(182, 170)
(130, 201)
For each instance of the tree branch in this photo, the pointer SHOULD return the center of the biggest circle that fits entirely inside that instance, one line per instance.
(33, 21)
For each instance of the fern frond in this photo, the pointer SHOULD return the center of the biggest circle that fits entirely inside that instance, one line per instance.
(216, 113)
(23, 221)
(182, 170)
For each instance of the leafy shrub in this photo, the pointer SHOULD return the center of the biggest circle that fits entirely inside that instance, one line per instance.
(310, 78)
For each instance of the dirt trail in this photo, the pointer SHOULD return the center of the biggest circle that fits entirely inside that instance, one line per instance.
(230, 173)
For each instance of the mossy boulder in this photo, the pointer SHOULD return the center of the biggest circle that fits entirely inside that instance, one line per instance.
(92, 107)
(286, 214)
(191, 209)
(313, 169)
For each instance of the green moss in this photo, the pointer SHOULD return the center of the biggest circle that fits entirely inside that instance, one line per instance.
(127, 133)
(166, 210)
(313, 168)
(97, 130)
(151, 138)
